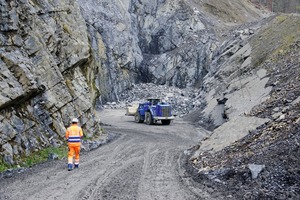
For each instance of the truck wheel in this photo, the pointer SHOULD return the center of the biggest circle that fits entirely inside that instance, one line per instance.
(137, 118)
(166, 122)
(149, 119)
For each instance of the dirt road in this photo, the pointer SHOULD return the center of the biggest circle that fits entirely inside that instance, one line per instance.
(144, 163)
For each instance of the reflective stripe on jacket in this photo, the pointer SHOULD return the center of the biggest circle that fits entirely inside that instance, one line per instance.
(74, 134)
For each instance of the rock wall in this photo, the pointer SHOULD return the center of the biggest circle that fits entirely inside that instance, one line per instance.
(257, 87)
(43, 48)
(116, 55)
(177, 43)
(164, 42)
(60, 59)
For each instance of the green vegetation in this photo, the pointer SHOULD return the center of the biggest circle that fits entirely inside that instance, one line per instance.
(42, 155)
(231, 10)
(275, 39)
(281, 18)
(37, 157)
(3, 166)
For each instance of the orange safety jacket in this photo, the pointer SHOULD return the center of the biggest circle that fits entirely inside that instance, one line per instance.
(74, 134)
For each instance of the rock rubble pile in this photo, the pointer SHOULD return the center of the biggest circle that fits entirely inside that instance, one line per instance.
(183, 101)
(264, 164)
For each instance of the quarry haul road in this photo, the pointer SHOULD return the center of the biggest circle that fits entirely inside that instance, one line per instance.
(144, 163)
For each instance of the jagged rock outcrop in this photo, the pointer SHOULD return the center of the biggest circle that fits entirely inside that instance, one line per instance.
(265, 87)
(43, 46)
(60, 59)
(164, 42)
(116, 55)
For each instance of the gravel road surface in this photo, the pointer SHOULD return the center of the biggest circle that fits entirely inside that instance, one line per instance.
(144, 163)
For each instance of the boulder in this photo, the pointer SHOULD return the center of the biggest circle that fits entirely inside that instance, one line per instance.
(255, 170)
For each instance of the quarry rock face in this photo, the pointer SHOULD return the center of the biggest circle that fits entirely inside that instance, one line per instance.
(43, 46)
(164, 42)
(177, 43)
(64, 59)
(114, 46)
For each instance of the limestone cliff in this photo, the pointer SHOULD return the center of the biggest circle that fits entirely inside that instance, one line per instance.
(60, 59)
(162, 41)
(43, 46)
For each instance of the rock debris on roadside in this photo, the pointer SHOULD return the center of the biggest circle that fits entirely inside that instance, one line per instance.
(183, 101)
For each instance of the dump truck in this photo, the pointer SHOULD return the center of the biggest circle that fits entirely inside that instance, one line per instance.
(152, 111)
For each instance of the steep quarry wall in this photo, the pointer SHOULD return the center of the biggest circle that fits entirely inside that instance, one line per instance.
(177, 42)
(43, 46)
(60, 59)
(146, 41)
(115, 54)
(256, 149)
(164, 42)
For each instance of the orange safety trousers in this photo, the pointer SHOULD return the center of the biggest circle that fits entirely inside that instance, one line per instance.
(74, 134)
(74, 148)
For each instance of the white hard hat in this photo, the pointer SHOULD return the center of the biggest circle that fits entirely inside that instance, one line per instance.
(75, 120)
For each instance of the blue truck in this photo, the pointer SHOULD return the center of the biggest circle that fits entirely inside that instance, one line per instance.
(152, 111)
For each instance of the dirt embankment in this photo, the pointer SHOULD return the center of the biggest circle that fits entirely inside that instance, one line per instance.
(265, 163)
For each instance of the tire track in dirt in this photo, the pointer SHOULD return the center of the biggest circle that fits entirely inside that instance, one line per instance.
(143, 164)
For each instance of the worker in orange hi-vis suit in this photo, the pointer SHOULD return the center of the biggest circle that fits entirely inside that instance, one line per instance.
(74, 134)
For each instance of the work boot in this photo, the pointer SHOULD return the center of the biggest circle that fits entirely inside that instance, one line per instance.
(76, 166)
(70, 167)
